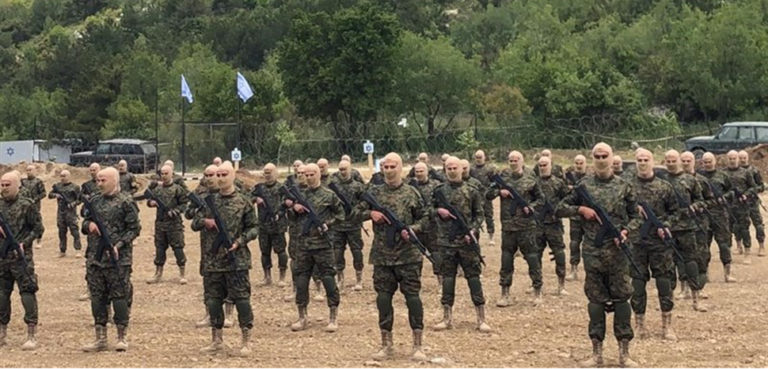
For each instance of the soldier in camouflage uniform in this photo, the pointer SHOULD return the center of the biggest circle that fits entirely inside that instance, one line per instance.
(754, 202)
(33, 188)
(554, 189)
(292, 178)
(398, 265)
(325, 177)
(315, 248)
(433, 174)
(68, 195)
(26, 225)
(127, 180)
(205, 188)
(518, 226)
(744, 188)
(720, 215)
(618, 166)
(455, 249)
(576, 231)
(651, 254)
(557, 170)
(428, 234)
(607, 282)
(108, 281)
(348, 231)
(271, 226)
(703, 255)
(90, 187)
(226, 269)
(169, 228)
(482, 172)
(355, 174)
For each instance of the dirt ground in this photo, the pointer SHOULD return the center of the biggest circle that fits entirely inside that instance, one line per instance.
(162, 332)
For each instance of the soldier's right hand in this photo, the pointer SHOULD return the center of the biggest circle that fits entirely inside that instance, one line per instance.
(151, 203)
(210, 224)
(288, 203)
(299, 208)
(624, 234)
(589, 214)
(259, 201)
(2, 233)
(505, 193)
(94, 229)
(379, 217)
(445, 214)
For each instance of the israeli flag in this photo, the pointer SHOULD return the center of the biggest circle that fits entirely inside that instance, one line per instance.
(243, 88)
(185, 91)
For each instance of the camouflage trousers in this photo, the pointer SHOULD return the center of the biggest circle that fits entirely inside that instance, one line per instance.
(688, 268)
(577, 235)
(525, 241)
(306, 262)
(757, 221)
(429, 239)
(450, 259)
(703, 254)
(654, 259)
(552, 234)
(740, 227)
(340, 240)
(719, 229)
(169, 234)
(488, 211)
(272, 241)
(222, 286)
(607, 286)
(110, 285)
(14, 272)
(67, 221)
(386, 280)
(293, 245)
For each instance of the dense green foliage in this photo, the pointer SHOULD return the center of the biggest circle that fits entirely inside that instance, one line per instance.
(69, 68)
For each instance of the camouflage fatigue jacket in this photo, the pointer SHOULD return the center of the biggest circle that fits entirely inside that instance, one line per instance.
(329, 210)
(720, 182)
(88, 189)
(578, 176)
(351, 189)
(70, 192)
(483, 174)
(742, 180)
(618, 199)
(294, 223)
(526, 185)
(425, 189)
(35, 187)
(660, 196)
(691, 192)
(467, 201)
(407, 204)
(238, 216)
(25, 223)
(175, 198)
(121, 218)
(355, 175)
(431, 174)
(757, 178)
(325, 179)
(554, 189)
(557, 171)
(128, 183)
(272, 193)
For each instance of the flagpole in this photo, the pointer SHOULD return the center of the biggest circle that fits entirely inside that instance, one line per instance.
(183, 139)
(157, 130)
(239, 113)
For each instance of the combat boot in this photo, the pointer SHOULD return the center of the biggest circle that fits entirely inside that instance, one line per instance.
(504, 301)
(573, 274)
(625, 361)
(122, 344)
(697, 306)
(158, 275)
(217, 343)
(447, 322)
(358, 280)
(340, 280)
(290, 297)
(418, 354)
(100, 343)
(490, 240)
(85, 296)
(561, 287)
(3, 334)
(642, 333)
(267, 277)
(281, 282)
(229, 310)
(537, 299)
(332, 326)
(245, 345)
(386, 351)
(482, 326)
(205, 321)
(739, 247)
(747, 252)
(78, 247)
(182, 279)
(761, 251)
(596, 360)
(300, 324)
(666, 327)
(31, 342)
(727, 274)
(685, 292)
(319, 297)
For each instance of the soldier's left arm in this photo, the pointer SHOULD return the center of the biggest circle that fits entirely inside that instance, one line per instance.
(634, 220)
(538, 195)
(250, 225)
(759, 185)
(673, 213)
(40, 191)
(751, 185)
(337, 214)
(477, 216)
(34, 223)
(131, 223)
(181, 199)
(420, 211)
(78, 196)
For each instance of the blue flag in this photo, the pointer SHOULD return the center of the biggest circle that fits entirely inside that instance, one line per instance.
(185, 91)
(243, 88)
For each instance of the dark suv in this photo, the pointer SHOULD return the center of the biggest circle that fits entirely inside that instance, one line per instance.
(140, 155)
(732, 136)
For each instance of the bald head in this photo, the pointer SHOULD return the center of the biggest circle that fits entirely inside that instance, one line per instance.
(65, 176)
(515, 159)
(169, 163)
(546, 153)
(31, 171)
(225, 178)
(108, 181)
(209, 177)
(322, 164)
(296, 165)
(480, 157)
(617, 165)
(733, 159)
(345, 169)
(346, 157)
(217, 161)
(312, 174)
(743, 158)
(688, 162)
(166, 174)
(672, 161)
(708, 161)
(300, 171)
(453, 169)
(9, 185)
(270, 173)
(421, 172)
(602, 159)
(94, 169)
(464, 168)
(122, 166)
(444, 157)
(392, 167)
(545, 166)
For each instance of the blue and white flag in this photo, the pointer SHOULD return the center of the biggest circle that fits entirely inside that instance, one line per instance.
(185, 91)
(243, 88)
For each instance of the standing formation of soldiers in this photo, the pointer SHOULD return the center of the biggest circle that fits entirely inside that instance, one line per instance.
(626, 228)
